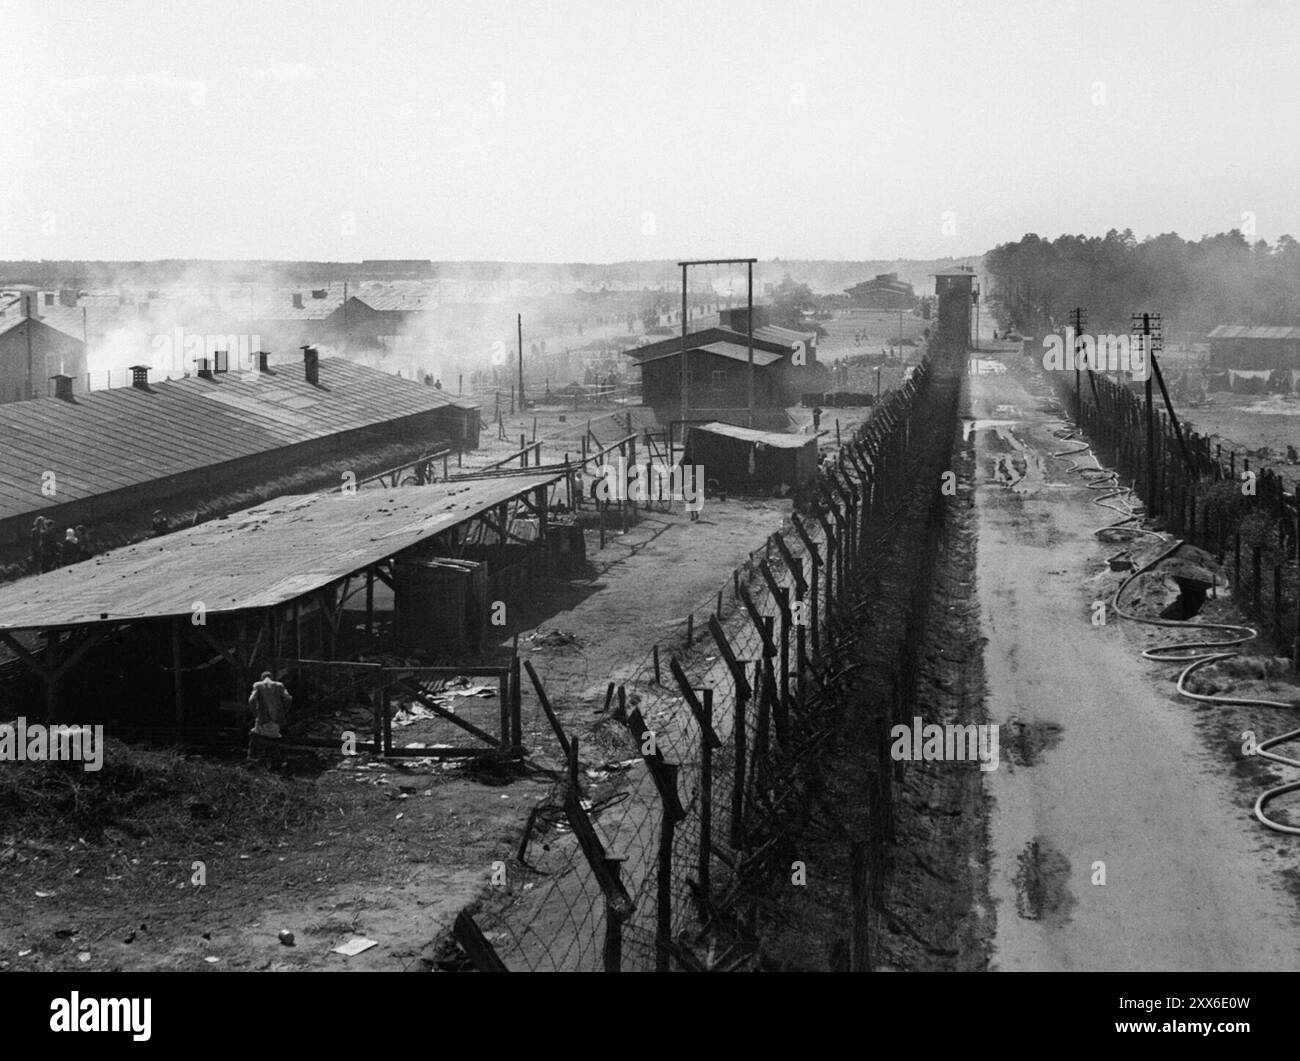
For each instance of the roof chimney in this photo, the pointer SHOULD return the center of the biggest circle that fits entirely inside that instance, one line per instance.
(311, 365)
(140, 377)
(297, 300)
(32, 305)
(62, 387)
(205, 368)
(263, 361)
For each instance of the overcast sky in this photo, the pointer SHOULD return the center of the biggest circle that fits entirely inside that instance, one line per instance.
(596, 130)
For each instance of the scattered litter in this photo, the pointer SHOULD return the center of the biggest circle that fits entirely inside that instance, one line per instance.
(45, 895)
(416, 712)
(399, 817)
(23, 953)
(355, 946)
(84, 956)
(553, 639)
(211, 959)
(286, 937)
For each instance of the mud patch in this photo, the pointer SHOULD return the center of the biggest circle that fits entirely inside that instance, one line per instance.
(1042, 884)
(1024, 742)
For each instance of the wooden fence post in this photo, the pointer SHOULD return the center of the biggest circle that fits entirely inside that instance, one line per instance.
(664, 775)
(743, 692)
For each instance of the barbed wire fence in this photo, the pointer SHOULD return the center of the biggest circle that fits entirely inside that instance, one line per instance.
(1208, 496)
(729, 718)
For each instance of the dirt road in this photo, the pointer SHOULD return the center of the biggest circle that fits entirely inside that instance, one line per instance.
(1101, 762)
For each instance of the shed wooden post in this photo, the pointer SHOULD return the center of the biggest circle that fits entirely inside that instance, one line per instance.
(177, 683)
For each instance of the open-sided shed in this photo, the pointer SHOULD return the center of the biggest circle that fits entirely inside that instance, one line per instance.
(186, 620)
(742, 459)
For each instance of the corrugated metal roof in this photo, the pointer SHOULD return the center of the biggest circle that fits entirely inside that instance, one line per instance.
(775, 333)
(402, 301)
(111, 439)
(768, 438)
(723, 349)
(1247, 331)
(258, 558)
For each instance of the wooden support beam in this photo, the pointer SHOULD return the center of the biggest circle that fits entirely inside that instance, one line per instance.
(547, 709)
(33, 664)
(178, 681)
(427, 699)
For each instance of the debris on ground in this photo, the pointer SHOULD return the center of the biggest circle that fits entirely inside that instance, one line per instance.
(543, 638)
(355, 946)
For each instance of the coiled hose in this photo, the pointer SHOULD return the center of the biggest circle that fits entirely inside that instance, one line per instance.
(1196, 654)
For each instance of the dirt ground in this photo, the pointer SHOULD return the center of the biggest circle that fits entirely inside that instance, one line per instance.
(1113, 772)
(397, 849)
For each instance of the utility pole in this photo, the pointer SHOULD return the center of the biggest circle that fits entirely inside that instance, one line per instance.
(519, 320)
(27, 327)
(1147, 328)
(749, 323)
(1078, 317)
(685, 374)
(685, 377)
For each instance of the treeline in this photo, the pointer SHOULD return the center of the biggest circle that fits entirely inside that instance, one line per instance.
(1194, 286)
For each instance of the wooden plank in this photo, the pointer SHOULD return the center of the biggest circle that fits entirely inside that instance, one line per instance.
(429, 702)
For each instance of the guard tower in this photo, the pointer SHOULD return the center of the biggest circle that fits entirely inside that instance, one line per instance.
(955, 289)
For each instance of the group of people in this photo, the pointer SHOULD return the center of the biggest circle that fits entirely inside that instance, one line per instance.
(49, 551)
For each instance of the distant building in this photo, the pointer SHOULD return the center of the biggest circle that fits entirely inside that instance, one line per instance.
(367, 319)
(718, 361)
(404, 267)
(31, 351)
(884, 291)
(1254, 347)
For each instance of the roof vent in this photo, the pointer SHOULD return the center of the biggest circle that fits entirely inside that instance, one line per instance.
(62, 387)
(311, 365)
(297, 300)
(263, 361)
(140, 377)
(205, 368)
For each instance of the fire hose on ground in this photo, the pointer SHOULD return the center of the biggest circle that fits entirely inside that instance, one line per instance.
(1196, 654)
